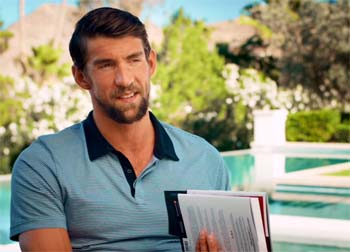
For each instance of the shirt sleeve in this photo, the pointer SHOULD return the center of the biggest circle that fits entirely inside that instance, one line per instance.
(36, 195)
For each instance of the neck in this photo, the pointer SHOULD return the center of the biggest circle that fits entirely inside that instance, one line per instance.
(136, 140)
(127, 138)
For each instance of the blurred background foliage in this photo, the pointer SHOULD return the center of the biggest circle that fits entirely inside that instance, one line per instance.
(313, 40)
(317, 126)
(5, 36)
(299, 60)
(190, 84)
(43, 65)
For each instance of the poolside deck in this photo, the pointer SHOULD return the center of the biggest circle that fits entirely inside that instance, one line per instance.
(314, 185)
(317, 177)
(308, 230)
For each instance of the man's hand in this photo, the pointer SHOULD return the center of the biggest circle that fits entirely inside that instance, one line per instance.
(207, 242)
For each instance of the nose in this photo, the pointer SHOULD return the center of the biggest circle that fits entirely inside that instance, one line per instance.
(123, 76)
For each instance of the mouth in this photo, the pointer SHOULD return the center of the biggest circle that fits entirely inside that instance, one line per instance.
(128, 97)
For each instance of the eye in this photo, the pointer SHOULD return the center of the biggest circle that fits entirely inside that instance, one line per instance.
(105, 65)
(135, 60)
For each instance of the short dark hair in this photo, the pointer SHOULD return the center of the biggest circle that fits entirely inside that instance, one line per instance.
(105, 22)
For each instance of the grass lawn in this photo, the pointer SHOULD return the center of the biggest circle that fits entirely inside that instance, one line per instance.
(339, 173)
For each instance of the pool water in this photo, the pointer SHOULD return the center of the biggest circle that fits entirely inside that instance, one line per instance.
(337, 210)
(240, 170)
(5, 195)
(297, 247)
(242, 167)
(298, 163)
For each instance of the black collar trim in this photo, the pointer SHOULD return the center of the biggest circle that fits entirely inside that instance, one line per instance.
(98, 146)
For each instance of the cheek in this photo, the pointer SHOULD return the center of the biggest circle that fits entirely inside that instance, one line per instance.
(101, 84)
(99, 92)
(148, 87)
(144, 78)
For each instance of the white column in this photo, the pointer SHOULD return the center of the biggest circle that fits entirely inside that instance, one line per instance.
(269, 135)
(269, 127)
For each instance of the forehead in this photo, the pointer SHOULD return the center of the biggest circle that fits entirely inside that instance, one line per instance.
(102, 47)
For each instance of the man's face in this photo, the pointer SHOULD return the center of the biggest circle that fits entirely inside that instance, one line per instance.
(118, 75)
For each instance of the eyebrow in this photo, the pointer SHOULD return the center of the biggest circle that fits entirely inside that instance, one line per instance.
(101, 61)
(135, 55)
(107, 60)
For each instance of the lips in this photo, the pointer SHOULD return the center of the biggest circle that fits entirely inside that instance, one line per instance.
(126, 96)
(129, 97)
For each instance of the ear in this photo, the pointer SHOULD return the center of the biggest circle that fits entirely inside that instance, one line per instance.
(152, 62)
(80, 78)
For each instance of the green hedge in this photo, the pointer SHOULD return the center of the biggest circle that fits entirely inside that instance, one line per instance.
(315, 126)
(342, 133)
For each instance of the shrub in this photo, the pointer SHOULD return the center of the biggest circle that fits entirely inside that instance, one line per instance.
(312, 126)
(342, 133)
(32, 110)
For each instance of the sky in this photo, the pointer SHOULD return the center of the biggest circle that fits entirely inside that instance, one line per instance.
(210, 11)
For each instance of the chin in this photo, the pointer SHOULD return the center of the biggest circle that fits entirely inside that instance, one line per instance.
(126, 117)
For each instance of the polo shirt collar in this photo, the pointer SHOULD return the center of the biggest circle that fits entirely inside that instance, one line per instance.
(98, 146)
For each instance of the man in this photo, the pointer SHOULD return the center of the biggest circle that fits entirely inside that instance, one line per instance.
(99, 185)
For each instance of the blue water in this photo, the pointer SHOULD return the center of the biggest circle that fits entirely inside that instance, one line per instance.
(240, 170)
(297, 163)
(316, 209)
(241, 167)
(5, 195)
(297, 247)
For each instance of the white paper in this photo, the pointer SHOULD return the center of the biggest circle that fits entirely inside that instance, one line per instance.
(241, 194)
(229, 218)
(259, 227)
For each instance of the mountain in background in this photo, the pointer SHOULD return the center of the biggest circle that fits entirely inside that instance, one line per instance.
(44, 25)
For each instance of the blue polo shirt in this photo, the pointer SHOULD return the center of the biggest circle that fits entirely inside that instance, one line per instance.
(76, 180)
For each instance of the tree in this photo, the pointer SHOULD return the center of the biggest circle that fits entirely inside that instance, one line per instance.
(44, 64)
(190, 83)
(187, 70)
(5, 36)
(313, 37)
(29, 110)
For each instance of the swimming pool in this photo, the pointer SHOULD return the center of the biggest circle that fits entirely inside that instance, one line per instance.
(242, 167)
(5, 195)
(245, 165)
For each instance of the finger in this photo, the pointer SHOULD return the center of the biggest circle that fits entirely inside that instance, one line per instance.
(213, 244)
(202, 241)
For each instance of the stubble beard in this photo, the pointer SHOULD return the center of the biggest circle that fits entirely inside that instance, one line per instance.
(120, 114)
